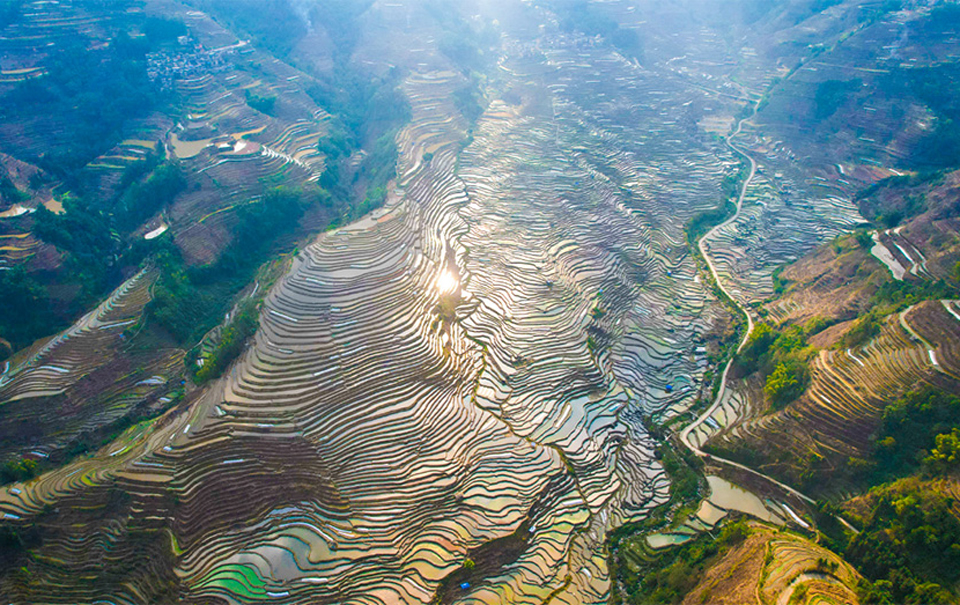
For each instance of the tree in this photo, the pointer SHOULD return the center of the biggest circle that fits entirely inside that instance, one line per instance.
(750, 359)
(783, 385)
(863, 239)
(26, 314)
(946, 455)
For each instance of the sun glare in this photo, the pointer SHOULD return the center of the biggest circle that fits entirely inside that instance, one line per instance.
(447, 282)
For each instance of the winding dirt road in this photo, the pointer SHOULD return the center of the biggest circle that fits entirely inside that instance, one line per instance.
(685, 433)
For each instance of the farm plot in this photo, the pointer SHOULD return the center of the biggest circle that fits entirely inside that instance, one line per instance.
(84, 378)
(776, 567)
(416, 389)
(834, 418)
(470, 363)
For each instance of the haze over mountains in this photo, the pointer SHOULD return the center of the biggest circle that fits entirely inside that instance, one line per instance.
(507, 301)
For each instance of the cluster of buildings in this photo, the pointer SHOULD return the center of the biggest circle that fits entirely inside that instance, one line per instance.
(165, 67)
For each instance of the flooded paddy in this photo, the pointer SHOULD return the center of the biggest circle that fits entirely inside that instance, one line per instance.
(474, 358)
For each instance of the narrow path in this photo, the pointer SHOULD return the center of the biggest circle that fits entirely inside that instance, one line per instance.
(685, 433)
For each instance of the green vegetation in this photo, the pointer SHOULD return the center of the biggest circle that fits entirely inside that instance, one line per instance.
(89, 94)
(178, 305)
(864, 328)
(781, 358)
(889, 201)
(26, 313)
(142, 200)
(893, 296)
(590, 19)
(160, 30)
(93, 252)
(466, 43)
(10, 12)
(911, 430)
(945, 457)
(671, 574)
(368, 183)
(592, 345)
(273, 24)
(863, 239)
(369, 113)
(917, 179)
(365, 107)
(683, 469)
(627, 544)
(16, 541)
(486, 560)
(909, 548)
(19, 470)
(96, 91)
(755, 10)
(935, 86)
(340, 18)
(83, 233)
(232, 340)
(93, 92)
(469, 102)
(909, 205)
(189, 301)
(9, 194)
(780, 284)
(265, 105)
(758, 345)
(872, 12)
(831, 94)
(703, 222)
(785, 383)
(337, 144)
(93, 439)
(447, 308)
(86, 441)
(379, 168)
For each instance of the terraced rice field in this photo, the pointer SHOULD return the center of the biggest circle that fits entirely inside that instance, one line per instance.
(786, 212)
(471, 362)
(399, 362)
(83, 379)
(230, 151)
(776, 567)
(17, 247)
(234, 150)
(27, 43)
(850, 387)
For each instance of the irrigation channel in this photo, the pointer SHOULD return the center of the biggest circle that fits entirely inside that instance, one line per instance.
(685, 433)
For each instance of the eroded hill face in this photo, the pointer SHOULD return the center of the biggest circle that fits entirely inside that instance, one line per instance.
(473, 361)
